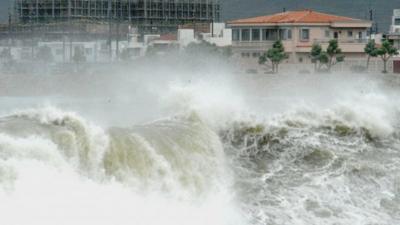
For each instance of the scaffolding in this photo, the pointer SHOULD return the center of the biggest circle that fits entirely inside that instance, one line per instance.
(149, 16)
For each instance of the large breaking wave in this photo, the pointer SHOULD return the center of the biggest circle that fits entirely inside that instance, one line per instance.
(55, 167)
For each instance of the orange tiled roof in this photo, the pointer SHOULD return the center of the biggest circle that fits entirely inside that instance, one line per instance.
(303, 16)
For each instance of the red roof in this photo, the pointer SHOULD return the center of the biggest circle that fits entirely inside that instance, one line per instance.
(303, 16)
(168, 37)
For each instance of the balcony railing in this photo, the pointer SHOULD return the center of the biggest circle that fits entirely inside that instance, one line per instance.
(343, 40)
(253, 44)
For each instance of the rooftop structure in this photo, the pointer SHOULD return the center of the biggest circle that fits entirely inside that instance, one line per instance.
(297, 17)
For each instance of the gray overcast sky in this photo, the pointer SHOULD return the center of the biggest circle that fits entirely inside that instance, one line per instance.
(247, 8)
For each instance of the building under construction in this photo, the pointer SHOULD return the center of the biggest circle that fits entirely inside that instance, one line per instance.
(149, 16)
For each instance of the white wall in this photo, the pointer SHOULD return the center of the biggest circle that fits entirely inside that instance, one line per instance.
(224, 38)
(217, 28)
(185, 36)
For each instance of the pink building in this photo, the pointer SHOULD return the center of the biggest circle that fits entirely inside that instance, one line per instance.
(298, 30)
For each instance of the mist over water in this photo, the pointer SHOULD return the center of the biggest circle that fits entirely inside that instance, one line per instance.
(183, 141)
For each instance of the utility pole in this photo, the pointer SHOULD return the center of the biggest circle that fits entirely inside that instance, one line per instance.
(145, 27)
(213, 19)
(10, 26)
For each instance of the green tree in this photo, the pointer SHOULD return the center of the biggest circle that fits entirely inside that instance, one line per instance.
(334, 54)
(371, 50)
(324, 58)
(329, 58)
(262, 59)
(44, 54)
(79, 55)
(316, 52)
(275, 55)
(386, 51)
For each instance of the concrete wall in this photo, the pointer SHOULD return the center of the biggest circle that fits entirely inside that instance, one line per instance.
(185, 36)
(221, 39)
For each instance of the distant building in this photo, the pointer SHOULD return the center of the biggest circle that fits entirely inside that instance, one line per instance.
(395, 25)
(394, 32)
(214, 33)
(109, 22)
(130, 47)
(163, 44)
(219, 35)
(394, 37)
(150, 16)
(298, 30)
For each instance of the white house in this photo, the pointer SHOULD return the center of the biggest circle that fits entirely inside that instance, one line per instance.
(220, 35)
(395, 26)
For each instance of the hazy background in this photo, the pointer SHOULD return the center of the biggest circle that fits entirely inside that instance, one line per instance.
(246, 8)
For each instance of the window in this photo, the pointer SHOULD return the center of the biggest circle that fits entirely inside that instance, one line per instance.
(285, 34)
(235, 35)
(360, 35)
(281, 34)
(305, 34)
(269, 34)
(327, 34)
(264, 34)
(256, 54)
(397, 21)
(245, 34)
(349, 33)
(255, 34)
(245, 54)
(336, 35)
